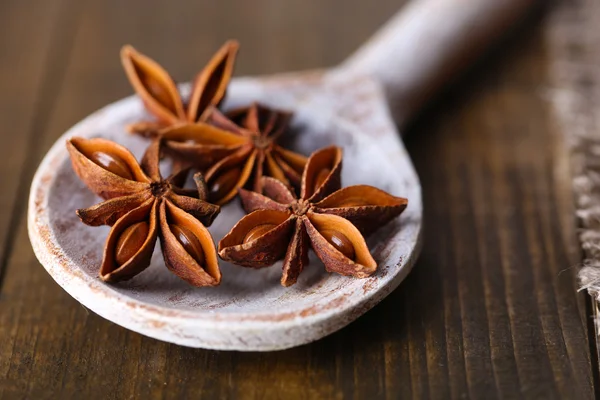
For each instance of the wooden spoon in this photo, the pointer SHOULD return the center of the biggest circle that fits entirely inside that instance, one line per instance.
(403, 65)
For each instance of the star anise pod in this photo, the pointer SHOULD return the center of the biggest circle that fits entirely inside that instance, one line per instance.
(161, 97)
(249, 137)
(325, 217)
(141, 206)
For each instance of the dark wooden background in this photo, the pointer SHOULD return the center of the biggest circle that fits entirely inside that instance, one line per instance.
(491, 308)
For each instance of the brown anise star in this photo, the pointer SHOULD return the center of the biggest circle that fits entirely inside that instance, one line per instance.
(326, 218)
(159, 93)
(246, 142)
(141, 206)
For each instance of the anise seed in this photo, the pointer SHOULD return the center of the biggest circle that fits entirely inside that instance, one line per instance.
(321, 176)
(224, 183)
(130, 241)
(112, 163)
(157, 91)
(340, 242)
(257, 232)
(189, 241)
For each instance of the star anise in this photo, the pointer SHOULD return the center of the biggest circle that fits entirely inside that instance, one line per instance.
(159, 93)
(325, 217)
(249, 137)
(141, 206)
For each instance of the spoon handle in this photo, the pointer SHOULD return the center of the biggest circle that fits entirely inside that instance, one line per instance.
(427, 43)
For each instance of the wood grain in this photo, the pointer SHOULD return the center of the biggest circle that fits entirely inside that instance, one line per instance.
(490, 310)
(25, 107)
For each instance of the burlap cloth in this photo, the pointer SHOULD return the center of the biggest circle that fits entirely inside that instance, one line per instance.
(574, 44)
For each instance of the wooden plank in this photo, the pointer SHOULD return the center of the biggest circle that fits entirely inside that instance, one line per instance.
(509, 294)
(30, 69)
(24, 56)
(488, 311)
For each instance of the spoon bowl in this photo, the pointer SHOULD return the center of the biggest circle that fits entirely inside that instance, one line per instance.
(250, 309)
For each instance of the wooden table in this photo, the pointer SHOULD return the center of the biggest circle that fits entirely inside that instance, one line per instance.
(491, 308)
